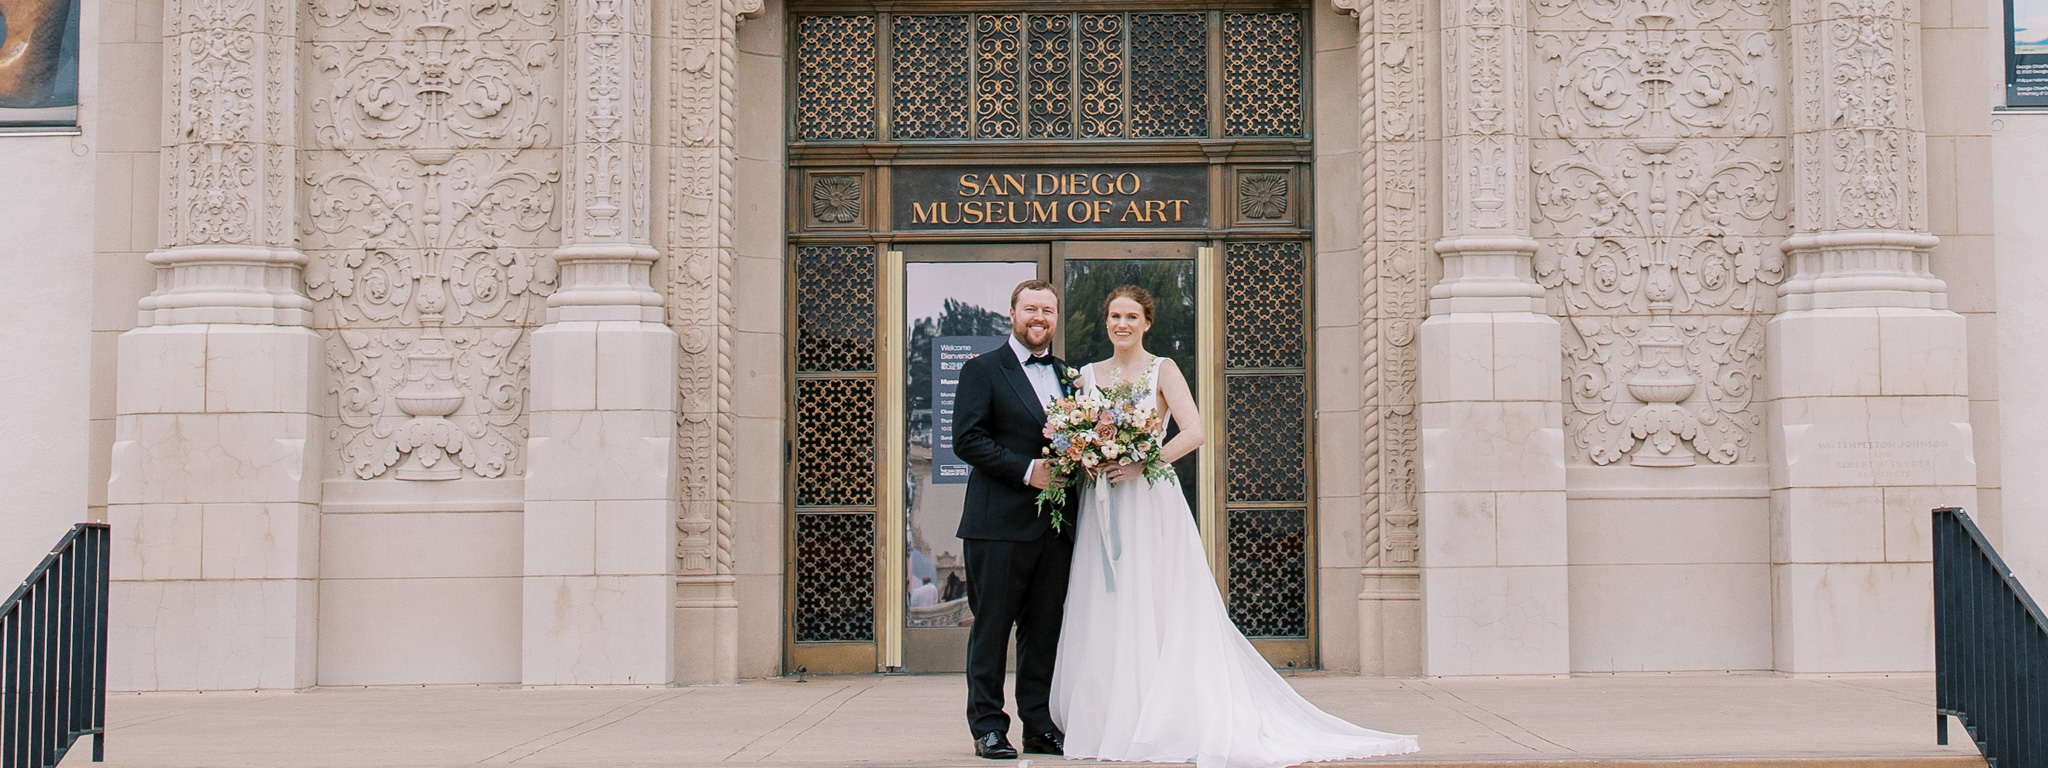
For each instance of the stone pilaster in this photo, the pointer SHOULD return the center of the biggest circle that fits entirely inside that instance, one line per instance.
(600, 564)
(696, 70)
(214, 491)
(1393, 154)
(1867, 376)
(1493, 506)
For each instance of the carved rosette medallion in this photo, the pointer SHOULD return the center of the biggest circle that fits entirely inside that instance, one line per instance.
(1659, 157)
(430, 209)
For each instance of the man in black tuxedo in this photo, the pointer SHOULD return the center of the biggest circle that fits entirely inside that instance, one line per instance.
(1016, 563)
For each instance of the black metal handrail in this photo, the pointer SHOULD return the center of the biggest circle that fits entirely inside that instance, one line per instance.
(53, 654)
(1990, 648)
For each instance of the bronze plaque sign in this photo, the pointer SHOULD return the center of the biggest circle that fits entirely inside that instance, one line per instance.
(1037, 197)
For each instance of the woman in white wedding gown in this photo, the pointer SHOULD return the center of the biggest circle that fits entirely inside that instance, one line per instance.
(1150, 667)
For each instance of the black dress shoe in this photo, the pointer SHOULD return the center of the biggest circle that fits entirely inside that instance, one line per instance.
(994, 746)
(1048, 743)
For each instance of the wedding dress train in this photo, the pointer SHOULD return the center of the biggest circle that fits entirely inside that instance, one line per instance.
(1150, 666)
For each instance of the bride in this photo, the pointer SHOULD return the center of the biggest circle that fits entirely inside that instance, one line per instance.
(1150, 667)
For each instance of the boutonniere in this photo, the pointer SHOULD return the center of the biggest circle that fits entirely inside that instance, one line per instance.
(1068, 374)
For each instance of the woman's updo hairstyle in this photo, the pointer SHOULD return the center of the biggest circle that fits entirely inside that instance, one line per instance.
(1134, 293)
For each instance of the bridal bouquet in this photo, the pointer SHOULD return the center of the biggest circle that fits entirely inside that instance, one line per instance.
(1096, 432)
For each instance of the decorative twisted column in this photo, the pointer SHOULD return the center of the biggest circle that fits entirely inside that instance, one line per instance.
(215, 489)
(1493, 507)
(1867, 378)
(697, 68)
(600, 563)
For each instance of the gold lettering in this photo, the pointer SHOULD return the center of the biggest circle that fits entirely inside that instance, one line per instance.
(1155, 210)
(1131, 209)
(1016, 183)
(1176, 208)
(1077, 183)
(1095, 185)
(995, 208)
(1135, 184)
(1045, 212)
(1048, 184)
(971, 212)
(948, 208)
(1079, 212)
(970, 184)
(1102, 209)
(924, 213)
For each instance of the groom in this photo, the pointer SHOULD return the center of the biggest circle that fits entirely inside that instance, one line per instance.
(1016, 562)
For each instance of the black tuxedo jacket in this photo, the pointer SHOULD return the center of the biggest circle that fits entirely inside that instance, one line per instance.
(998, 429)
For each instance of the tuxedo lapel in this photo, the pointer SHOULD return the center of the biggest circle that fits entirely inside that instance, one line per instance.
(1013, 369)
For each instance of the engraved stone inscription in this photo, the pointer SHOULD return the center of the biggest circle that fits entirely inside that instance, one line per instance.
(1880, 454)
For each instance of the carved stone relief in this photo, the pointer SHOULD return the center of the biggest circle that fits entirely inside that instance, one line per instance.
(1659, 155)
(1393, 164)
(431, 193)
(697, 149)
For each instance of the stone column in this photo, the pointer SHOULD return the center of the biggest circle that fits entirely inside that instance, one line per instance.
(215, 486)
(1491, 414)
(698, 67)
(1867, 377)
(1393, 158)
(600, 537)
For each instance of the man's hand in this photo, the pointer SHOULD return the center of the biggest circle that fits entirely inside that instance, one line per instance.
(1041, 475)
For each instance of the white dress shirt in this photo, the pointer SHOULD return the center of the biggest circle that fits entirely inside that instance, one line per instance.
(1045, 382)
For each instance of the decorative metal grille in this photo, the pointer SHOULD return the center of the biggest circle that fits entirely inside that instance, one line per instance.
(997, 69)
(1265, 312)
(1266, 432)
(835, 308)
(1169, 75)
(1262, 74)
(835, 436)
(1052, 69)
(928, 81)
(835, 60)
(1268, 584)
(835, 577)
(1102, 75)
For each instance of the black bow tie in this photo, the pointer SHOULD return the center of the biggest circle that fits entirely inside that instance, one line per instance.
(1038, 360)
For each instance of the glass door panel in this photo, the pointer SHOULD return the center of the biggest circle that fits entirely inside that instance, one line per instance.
(952, 311)
(1166, 270)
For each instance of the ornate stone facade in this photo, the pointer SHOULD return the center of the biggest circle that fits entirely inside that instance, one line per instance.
(480, 268)
(1661, 152)
(431, 194)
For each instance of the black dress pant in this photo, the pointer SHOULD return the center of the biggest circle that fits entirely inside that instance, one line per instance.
(1021, 584)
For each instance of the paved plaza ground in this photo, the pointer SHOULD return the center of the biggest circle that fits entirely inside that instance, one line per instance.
(1760, 720)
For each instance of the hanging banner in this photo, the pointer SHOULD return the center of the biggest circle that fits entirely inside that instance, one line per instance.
(2026, 53)
(38, 64)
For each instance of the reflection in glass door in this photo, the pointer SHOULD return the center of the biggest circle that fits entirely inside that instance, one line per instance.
(956, 303)
(1088, 271)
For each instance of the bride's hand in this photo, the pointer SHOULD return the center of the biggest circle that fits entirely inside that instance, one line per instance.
(1122, 472)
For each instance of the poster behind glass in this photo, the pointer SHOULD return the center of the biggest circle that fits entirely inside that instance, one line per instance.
(952, 312)
(38, 64)
(2026, 53)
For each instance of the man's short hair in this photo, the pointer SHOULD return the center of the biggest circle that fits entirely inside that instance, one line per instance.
(1033, 284)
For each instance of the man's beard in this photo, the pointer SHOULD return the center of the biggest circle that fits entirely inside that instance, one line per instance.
(1020, 332)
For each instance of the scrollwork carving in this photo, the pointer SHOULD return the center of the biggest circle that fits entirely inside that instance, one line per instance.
(431, 205)
(1658, 196)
